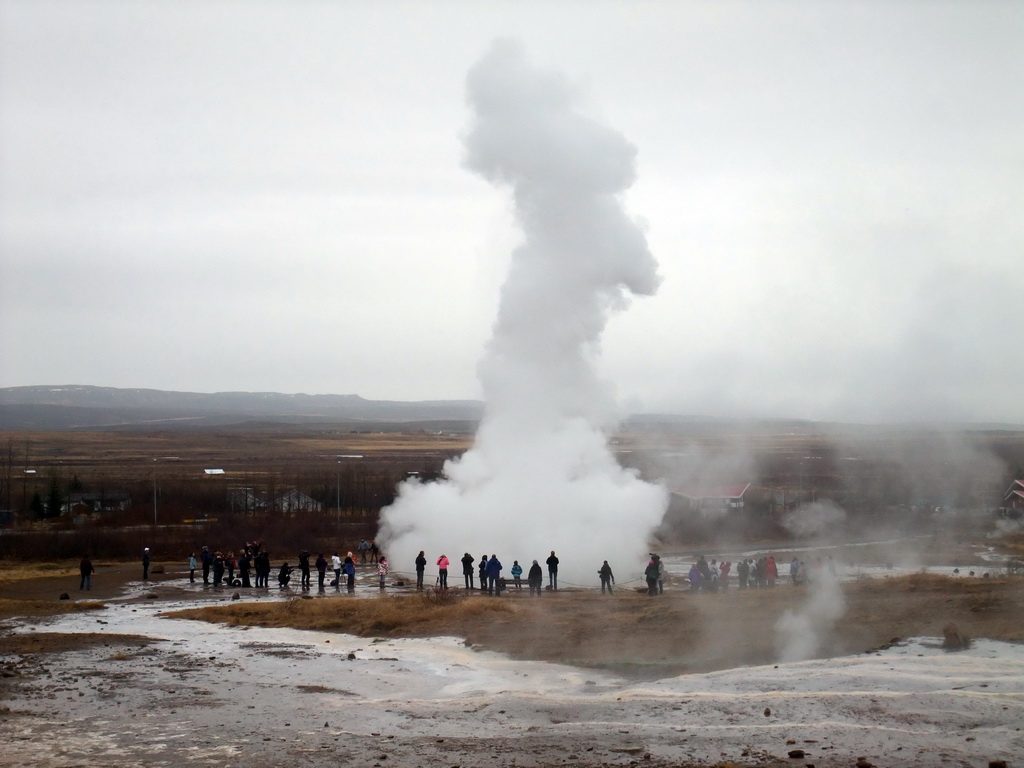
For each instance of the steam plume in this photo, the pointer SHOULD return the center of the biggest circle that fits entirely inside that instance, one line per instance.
(540, 476)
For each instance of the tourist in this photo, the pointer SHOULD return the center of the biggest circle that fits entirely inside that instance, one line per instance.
(517, 572)
(304, 569)
(696, 577)
(442, 572)
(421, 566)
(336, 565)
(382, 569)
(607, 578)
(145, 564)
(493, 574)
(364, 548)
(207, 560)
(651, 575)
(771, 571)
(244, 566)
(218, 569)
(723, 578)
(552, 570)
(743, 572)
(536, 578)
(321, 570)
(661, 574)
(482, 568)
(284, 575)
(192, 565)
(350, 572)
(467, 569)
(86, 570)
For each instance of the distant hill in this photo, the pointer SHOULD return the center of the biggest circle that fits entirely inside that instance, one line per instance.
(87, 407)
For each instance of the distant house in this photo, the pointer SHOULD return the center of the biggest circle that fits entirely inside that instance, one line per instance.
(1014, 498)
(710, 498)
(95, 503)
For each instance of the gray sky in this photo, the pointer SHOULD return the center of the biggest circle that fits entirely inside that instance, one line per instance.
(271, 196)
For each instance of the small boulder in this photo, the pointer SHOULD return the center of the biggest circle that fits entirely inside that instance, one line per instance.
(236, 596)
(64, 596)
(954, 639)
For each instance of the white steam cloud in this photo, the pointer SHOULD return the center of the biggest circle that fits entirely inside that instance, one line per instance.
(799, 634)
(815, 520)
(540, 476)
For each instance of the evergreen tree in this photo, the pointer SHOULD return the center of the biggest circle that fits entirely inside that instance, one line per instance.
(54, 499)
(36, 507)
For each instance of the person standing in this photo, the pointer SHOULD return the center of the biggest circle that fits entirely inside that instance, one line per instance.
(442, 572)
(192, 565)
(467, 569)
(493, 574)
(482, 570)
(553, 570)
(304, 569)
(244, 566)
(661, 574)
(145, 564)
(207, 560)
(364, 548)
(86, 569)
(382, 569)
(321, 570)
(336, 565)
(517, 572)
(651, 575)
(536, 578)
(421, 566)
(607, 578)
(350, 572)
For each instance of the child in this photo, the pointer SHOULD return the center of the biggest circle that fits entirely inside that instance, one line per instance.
(517, 571)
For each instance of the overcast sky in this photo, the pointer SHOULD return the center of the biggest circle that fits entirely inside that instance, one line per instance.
(272, 196)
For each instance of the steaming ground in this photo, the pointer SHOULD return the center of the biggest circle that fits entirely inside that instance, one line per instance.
(137, 689)
(211, 695)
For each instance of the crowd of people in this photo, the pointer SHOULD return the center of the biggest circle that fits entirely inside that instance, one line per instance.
(252, 569)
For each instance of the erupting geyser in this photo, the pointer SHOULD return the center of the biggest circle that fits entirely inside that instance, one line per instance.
(540, 476)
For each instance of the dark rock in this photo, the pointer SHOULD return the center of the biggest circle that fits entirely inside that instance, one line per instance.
(767, 712)
(236, 596)
(795, 753)
(65, 596)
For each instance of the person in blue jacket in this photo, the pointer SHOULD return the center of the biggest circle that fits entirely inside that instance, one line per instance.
(493, 574)
(517, 572)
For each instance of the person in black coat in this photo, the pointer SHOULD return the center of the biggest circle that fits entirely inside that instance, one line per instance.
(467, 570)
(536, 578)
(553, 570)
(483, 572)
(607, 578)
(421, 566)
